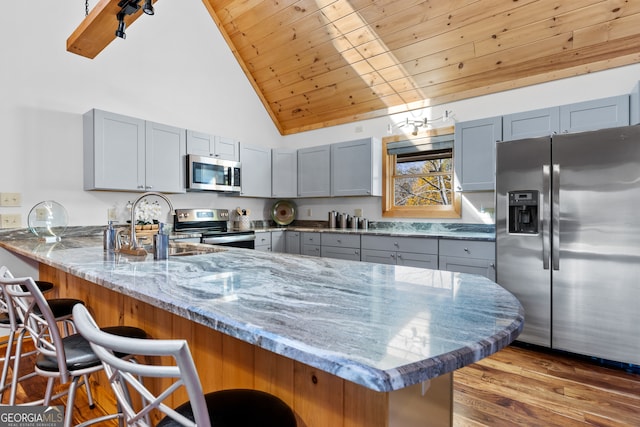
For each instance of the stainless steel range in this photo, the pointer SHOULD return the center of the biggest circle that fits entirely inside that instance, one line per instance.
(213, 225)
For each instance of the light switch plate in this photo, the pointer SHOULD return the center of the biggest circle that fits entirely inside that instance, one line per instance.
(10, 221)
(357, 212)
(10, 199)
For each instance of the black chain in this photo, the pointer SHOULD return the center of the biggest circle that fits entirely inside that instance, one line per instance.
(86, 7)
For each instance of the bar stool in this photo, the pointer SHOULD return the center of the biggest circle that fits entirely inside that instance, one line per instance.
(68, 359)
(62, 310)
(225, 408)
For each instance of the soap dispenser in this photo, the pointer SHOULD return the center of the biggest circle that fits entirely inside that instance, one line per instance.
(109, 237)
(161, 244)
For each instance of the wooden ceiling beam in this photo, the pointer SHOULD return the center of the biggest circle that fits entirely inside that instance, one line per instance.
(98, 29)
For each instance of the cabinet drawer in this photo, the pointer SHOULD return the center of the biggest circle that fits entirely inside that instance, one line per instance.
(467, 249)
(483, 267)
(309, 238)
(409, 259)
(263, 238)
(352, 254)
(422, 245)
(340, 240)
(379, 257)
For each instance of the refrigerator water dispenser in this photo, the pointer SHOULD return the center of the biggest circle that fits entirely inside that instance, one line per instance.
(523, 212)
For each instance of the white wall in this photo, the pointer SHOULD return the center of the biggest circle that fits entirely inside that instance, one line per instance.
(175, 68)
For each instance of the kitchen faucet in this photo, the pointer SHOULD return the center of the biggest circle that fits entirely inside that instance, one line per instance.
(133, 248)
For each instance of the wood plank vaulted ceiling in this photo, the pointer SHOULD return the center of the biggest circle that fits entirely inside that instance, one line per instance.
(317, 63)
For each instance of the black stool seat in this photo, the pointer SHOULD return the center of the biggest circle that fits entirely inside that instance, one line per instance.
(60, 307)
(240, 408)
(44, 286)
(78, 351)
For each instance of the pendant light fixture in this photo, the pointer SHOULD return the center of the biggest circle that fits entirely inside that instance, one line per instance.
(148, 7)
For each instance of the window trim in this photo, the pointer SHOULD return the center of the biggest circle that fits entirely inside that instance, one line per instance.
(388, 167)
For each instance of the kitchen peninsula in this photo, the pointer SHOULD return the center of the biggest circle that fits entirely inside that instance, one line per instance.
(344, 343)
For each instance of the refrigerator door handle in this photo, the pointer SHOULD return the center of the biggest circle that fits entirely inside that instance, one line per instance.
(555, 225)
(546, 214)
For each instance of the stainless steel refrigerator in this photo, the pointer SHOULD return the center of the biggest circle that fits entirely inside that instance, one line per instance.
(568, 239)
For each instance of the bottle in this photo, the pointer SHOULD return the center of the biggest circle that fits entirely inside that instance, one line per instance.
(109, 238)
(161, 244)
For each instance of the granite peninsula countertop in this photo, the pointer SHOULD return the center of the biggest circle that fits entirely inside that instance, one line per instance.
(381, 326)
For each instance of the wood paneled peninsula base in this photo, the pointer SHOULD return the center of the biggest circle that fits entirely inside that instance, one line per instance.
(344, 343)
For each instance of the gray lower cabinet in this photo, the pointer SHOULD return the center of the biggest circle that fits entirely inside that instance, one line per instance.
(278, 241)
(474, 156)
(263, 241)
(292, 242)
(468, 256)
(270, 241)
(408, 251)
(310, 243)
(340, 246)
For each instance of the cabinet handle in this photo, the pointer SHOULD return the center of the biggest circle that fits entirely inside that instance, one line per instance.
(467, 250)
(393, 256)
(396, 244)
(141, 187)
(339, 241)
(399, 256)
(492, 265)
(356, 252)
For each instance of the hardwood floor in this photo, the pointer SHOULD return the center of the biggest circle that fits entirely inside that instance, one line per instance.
(524, 387)
(520, 386)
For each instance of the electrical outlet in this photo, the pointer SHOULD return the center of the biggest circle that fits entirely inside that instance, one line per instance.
(41, 214)
(309, 212)
(10, 199)
(357, 212)
(10, 221)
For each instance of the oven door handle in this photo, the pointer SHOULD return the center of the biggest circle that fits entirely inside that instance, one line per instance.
(229, 239)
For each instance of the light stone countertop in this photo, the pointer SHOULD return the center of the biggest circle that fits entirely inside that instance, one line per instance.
(381, 326)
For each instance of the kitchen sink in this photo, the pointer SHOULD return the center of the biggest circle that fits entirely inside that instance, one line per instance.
(187, 249)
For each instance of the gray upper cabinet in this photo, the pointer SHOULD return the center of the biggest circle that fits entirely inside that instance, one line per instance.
(531, 124)
(597, 114)
(356, 168)
(474, 153)
(255, 174)
(203, 144)
(130, 154)
(634, 105)
(164, 160)
(284, 172)
(314, 171)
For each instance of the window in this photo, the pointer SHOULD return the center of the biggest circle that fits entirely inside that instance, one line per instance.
(419, 176)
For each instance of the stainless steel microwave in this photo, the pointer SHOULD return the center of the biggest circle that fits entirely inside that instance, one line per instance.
(211, 174)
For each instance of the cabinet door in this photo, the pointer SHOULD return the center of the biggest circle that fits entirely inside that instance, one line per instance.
(379, 257)
(263, 240)
(314, 174)
(351, 254)
(343, 240)
(200, 144)
(597, 114)
(165, 153)
(292, 245)
(226, 148)
(278, 241)
(284, 173)
(114, 151)
(474, 153)
(423, 245)
(255, 173)
(531, 124)
(356, 168)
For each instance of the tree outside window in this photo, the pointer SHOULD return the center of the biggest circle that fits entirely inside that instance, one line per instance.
(419, 176)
